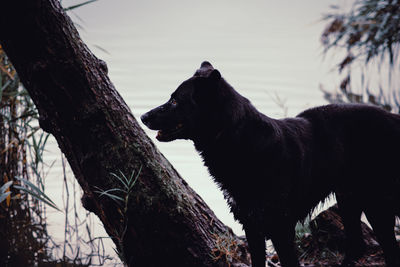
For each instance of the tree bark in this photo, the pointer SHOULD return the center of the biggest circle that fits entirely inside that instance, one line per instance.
(166, 223)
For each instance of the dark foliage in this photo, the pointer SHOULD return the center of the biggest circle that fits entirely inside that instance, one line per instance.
(369, 36)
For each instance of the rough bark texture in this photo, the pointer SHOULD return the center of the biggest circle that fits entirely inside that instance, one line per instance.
(167, 223)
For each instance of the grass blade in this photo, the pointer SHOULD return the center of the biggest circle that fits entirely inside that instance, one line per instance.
(41, 197)
(3, 196)
(5, 186)
(121, 180)
(78, 5)
(36, 192)
(114, 197)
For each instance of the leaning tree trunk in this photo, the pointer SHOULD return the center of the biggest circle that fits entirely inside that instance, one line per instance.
(166, 223)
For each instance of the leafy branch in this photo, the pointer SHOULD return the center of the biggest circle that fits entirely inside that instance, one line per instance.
(35, 192)
(121, 195)
(370, 35)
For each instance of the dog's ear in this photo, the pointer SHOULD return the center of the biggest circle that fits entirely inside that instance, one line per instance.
(207, 88)
(215, 76)
(206, 65)
(204, 70)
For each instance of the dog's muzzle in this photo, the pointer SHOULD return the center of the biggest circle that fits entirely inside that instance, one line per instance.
(145, 118)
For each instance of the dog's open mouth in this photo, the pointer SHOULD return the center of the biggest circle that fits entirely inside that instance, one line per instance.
(166, 135)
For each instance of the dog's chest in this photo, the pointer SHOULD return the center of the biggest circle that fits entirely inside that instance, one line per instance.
(233, 166)
(223, 160)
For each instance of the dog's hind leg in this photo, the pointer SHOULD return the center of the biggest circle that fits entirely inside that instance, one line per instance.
(382, 220)
(350, 211)
(256, 241)
(283, 240)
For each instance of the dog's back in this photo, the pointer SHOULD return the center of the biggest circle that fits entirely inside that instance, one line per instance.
(359, 144)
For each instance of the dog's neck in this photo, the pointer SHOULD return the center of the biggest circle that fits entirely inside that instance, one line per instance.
(222, 133)
(237, 114)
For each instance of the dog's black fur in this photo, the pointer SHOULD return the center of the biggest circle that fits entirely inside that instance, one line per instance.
(274, 172)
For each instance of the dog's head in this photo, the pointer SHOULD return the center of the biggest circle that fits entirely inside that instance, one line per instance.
(188, 112)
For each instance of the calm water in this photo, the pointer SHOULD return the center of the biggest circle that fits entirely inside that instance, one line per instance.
(267, 50)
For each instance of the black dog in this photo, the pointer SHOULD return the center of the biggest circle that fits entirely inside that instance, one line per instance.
(274, 172)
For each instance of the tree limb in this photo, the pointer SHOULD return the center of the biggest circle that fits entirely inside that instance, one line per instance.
(166, 223)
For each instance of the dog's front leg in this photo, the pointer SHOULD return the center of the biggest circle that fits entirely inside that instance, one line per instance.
(256, 240)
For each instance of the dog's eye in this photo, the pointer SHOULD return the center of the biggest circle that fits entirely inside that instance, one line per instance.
(173, 102)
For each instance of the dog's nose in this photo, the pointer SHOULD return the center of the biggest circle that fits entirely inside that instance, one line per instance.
(145, 118)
